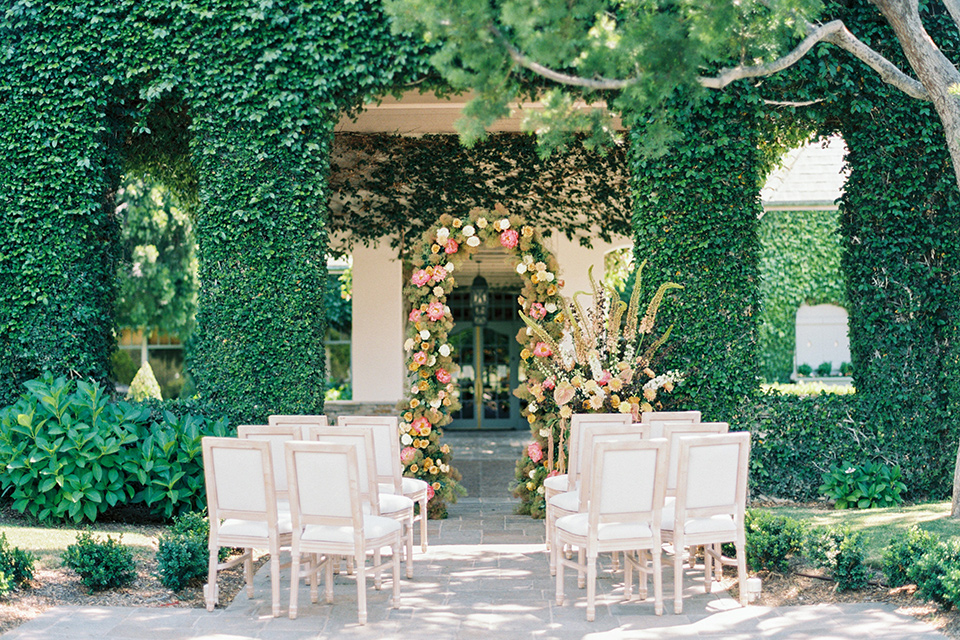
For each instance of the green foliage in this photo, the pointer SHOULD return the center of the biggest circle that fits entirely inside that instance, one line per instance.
(158, 276)
(101, 565)
(902, 554)
(799, 262)
(122, 366)
(182, 554)
(824, 369)
(72, 454)
(841, 551)
(144, 385)
(863, 486)
(771, 540)
(805, 370)
(937, 573)
(16, 566)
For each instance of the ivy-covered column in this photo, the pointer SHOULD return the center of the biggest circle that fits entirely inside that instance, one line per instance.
(261, 232)
(900, 219)
(696, 217)
(58, 231)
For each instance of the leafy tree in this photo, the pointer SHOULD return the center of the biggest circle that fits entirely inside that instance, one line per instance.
(158, 275)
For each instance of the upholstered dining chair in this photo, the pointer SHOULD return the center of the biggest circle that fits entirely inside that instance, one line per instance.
(561, 483)
(297, 420)
(568, 502)
(276, 436)
(621, 500)
(386, 441)
(242, 504)
(657, 419)
(396, 507)
(329, 520)
(711, 498)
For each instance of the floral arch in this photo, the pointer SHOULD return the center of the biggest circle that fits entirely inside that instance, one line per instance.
(432, 395)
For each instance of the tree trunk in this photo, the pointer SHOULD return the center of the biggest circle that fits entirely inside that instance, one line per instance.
(955, 509)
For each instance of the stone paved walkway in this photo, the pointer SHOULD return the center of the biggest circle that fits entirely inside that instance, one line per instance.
(484, 576)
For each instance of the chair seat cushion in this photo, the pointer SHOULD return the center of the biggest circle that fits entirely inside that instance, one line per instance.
(254, 528)
(715, 524)
(569, 501)
(373, 527)
(412, 486)
(556, 483)
(578, 523)
(390, 503)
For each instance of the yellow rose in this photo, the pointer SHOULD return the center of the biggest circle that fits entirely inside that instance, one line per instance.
(457, 223)
(408, 416)
(414, 403)
(414, 468)
(525, 354)
(530, 486)
(434, 470)
(552, 290)
(446, 402)
(427, 462)
(534, 279)
(425, 346)
(527, 232)
(436, 486)
(645, 407)
(445, 448)
(422, 385)
(435, 248)
(615, 402)
(413, 366)
(531, 418)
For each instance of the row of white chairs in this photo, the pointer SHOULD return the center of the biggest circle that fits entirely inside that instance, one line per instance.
(633, 492)
(272, 488)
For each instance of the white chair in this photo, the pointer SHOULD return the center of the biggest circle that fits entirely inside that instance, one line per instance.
(399, 508)
(242, 504)
(329, 519)
(564, 482)
(386, 442)
(568, 502)
(299, 421)
(620, 510)
(710, 504)
(276, 436)
(657, 419)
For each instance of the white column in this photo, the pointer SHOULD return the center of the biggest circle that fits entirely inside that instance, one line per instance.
(376, 350)
(575, 261)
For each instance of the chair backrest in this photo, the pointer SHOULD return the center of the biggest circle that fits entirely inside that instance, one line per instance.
(656, 420)
(672, 433)
(579, 423)
(308, 421)
(275, 436)
(362, 439)
(597, 433)
(386, 445)
(324, 484)
(627, 482)
(240, 481)
(713, 475)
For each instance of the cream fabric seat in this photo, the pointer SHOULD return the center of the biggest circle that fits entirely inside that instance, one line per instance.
(327, 510)
(242, 503)
(620, 510)
(711, 499)
(386, 442)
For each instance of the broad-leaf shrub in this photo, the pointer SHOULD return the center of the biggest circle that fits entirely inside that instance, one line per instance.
(16, 566)
(69, 453)
(937, 573)
(903, 553)
(101, 565)
(182, 553)
(863, 486)
(771, 539)
(841, 551)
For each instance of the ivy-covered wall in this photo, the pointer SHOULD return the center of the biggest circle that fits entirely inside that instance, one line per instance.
(696, 216)
(799, 263)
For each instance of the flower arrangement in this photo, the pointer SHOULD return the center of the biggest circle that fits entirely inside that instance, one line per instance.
(433, 394)
(592, 359)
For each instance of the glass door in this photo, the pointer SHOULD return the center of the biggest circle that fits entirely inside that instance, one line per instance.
(487, 400)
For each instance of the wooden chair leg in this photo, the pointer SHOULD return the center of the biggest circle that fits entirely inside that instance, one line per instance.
(409, 560)
(210, 589)
(328, 575)
(581, 577)
(657, 567)
(361, 569)
(742, 569)
(591, 588)
(677, 578)
(707, 569)
(559, 574)
(295, 581)
(423, 525)
(248, 571)
(396, 569)
(377, 579)
(275, 581)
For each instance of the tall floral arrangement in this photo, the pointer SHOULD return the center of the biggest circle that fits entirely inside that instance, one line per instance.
(586, 359)
(433, 393)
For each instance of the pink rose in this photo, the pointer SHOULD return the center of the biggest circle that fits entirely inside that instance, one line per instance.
(439, 273)
(435, 311)
(509, 238)
(537, 311)
(443, 376)
(542, 350)
(415, 315)
(420, 358)
(451, 246)
(535, 452)
(420, 426)
(605, 378)
(420, 277)
(549, 384)
(408, 455)
(430, 492)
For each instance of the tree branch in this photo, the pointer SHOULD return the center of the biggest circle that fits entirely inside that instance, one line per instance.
(953, 8)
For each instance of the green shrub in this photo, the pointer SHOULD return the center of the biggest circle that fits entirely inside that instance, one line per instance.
(901, 554)
(182, 553)
(122, 366)
(824, 369)
(771, 539)
(937, 573)
(841, 551)
(144, 385)
(101, 565)
(804, 370)
(864, 486)
(16, 566)
(846, 369)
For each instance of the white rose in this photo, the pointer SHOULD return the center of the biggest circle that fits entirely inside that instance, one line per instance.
(424, 335)
(408, 345)
(482, 222)
(438, 291)
(532, 473)
(532, 407)
(406, 440)
(469, 230)
(473, 241)
(521, 268)
(550, 307)
(540, 489)
(435, 403)
(444, 350)
(550, 276)
(432, 361)
(529, 331)
(544, 433)
(449, 267)
(414, 389)
(528, 259)
(504, 224)
(443, 234)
